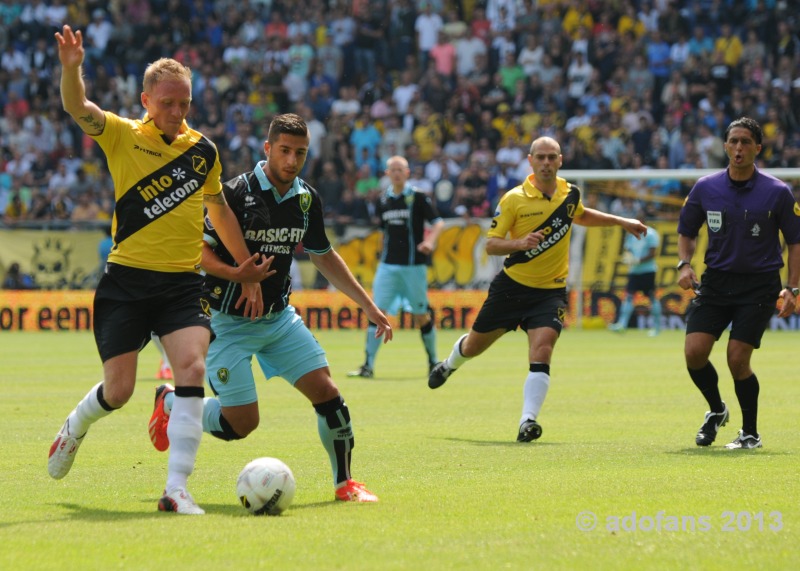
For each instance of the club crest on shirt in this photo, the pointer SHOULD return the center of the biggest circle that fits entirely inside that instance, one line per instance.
(796, 209)
(305, 201)
(199, 164)
(223, 375)
(714, 219)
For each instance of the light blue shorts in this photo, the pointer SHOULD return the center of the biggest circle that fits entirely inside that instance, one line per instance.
(397, 287)
(282, 344)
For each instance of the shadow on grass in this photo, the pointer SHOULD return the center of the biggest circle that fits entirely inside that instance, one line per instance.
(87, 513)
(510, 443)
(721, 451)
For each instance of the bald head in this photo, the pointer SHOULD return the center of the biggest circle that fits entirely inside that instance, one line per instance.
(545, 145)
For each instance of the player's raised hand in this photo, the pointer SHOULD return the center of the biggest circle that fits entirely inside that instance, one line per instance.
(70, 47)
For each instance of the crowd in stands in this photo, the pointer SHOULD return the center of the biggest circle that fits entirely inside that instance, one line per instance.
(458, 87)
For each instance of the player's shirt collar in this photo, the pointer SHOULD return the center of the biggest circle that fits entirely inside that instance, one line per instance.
(407, 190)
(744, 185)
(261, 176)
(529, 187)
(150, 126)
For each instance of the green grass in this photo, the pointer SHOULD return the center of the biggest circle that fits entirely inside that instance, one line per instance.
(456, 491)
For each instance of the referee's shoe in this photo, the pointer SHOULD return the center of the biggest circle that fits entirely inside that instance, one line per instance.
(711, 424)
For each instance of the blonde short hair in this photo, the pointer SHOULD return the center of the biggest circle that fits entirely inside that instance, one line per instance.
(164, 69)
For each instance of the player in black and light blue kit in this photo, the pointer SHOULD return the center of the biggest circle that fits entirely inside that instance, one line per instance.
(401, 280)
(744, 210)
(277, 210)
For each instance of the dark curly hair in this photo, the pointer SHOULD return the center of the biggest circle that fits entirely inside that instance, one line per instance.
(749, 124)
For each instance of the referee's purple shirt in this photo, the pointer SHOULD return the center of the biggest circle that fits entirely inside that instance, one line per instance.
(743, 223)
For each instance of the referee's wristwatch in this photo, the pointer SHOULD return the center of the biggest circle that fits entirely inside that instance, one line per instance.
(795, 290)
(681, 264)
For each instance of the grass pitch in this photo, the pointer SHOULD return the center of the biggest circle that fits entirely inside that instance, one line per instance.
(615, 482)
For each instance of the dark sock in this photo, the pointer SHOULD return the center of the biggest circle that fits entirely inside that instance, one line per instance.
(707, 381)
(336, 435)
(747, 393)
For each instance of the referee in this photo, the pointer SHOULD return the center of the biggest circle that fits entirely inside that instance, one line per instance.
(744, 210)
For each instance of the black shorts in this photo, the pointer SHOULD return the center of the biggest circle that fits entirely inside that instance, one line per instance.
(130, 303)
(645, 283)
(747, 302)
(510, 304)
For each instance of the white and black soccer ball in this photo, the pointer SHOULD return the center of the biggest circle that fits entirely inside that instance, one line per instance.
(265, 486)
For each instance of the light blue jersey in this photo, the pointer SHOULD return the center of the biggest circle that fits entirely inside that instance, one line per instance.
(640, 248)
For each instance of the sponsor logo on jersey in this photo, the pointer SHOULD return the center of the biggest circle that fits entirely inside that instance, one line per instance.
(269, 235)
(147, 151)
(161, 195)
(276, 240)
(396, 216)
(553, 237)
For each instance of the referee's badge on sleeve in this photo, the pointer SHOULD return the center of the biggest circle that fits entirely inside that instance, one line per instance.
(714, 219)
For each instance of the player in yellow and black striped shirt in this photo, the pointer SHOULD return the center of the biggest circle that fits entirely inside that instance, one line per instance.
(163, 173)
(531, 227)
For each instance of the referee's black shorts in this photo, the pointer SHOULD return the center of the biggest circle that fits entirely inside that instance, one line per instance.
(130, 303)
(746, 302)
(509, 305)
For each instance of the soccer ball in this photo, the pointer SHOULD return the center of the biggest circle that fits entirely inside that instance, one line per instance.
(265, 486)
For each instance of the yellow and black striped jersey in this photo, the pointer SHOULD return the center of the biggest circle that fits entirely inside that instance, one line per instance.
(159, 189)
(523, 210)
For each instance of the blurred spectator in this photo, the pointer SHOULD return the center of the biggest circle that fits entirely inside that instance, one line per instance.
(351, 209)
(16, 209)
(86, 209)
(266, 56)
(62, 178)
(427, 26)
(60, 204)
(441, 167)
(330, 187)
(41, 209)
(700, 45)
(15, 278)
(365, 139)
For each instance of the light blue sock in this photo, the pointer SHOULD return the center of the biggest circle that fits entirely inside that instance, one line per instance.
(212, 412)
(655, 313)
(169, 399)
(373, 345)
(625, 311)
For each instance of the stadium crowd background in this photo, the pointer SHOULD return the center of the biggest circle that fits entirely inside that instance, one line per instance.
(458, 87)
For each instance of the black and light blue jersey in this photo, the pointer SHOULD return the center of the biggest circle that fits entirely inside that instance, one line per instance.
(402, 219)
(271, 225)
